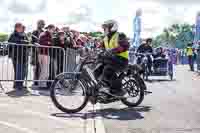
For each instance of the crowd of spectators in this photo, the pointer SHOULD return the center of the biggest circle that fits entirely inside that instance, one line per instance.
(46, 59)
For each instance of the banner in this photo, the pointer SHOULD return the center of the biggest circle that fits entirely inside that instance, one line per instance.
(137, 29)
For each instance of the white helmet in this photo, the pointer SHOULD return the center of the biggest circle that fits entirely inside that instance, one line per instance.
(112, 25)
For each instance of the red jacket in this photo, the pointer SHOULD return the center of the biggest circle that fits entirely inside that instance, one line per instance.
(45, 40)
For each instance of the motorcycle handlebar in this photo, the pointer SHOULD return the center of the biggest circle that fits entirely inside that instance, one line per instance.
(143, 54)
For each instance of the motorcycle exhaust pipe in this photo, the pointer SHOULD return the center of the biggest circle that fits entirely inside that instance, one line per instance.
(147, 92)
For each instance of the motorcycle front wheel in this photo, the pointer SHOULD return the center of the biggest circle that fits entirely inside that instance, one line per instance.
(69, 96)
(135, 91)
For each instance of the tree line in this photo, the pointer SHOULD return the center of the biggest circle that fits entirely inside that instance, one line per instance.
(175, 36)
(3, 37)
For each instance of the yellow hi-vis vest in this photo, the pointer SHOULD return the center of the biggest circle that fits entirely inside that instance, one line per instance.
(114, 44)
(189, 51)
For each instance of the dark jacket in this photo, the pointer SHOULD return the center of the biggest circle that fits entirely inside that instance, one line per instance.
(145, 49)
(69, 41)
(57, 43)
(123, 44)
(35, 39)
(45, 39)
(18, 52)
(36, 35)
(54, 52)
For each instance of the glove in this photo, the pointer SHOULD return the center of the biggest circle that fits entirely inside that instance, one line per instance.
(109, 52)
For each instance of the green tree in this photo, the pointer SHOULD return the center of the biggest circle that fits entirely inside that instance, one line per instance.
(3, 37)
(96, 34)
(177, 36)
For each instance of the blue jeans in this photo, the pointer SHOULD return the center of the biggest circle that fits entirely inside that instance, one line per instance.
(20, 71)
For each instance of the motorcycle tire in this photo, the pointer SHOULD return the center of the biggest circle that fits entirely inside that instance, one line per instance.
(60, 106)
(136, 79)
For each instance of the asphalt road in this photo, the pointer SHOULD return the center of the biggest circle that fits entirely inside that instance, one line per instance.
(174, 107)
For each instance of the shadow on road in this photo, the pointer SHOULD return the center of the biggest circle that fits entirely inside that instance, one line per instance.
(18, 93)
(64, 115)
(123, 114)
(160, 80)
(25, 93)
(110, 113)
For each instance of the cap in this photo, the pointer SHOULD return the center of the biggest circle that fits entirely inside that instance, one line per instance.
(50, 26)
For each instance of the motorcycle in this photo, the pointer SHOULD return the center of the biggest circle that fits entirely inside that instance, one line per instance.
(161, 66)
(92, 89)
(142, 60)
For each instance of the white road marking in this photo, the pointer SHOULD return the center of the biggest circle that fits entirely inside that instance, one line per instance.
(99, 125)
(89, 127)
(17, 127)
(42, 115)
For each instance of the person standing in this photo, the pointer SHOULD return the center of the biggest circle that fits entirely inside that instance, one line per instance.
(182, 57)
(35, 39)
(189, 51)
(36, 33)
(45, 39)
(18, 54)
(68, 37)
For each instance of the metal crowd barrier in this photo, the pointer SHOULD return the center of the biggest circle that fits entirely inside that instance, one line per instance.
(32, 63)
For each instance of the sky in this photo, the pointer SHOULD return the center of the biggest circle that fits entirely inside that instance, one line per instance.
(88, 15)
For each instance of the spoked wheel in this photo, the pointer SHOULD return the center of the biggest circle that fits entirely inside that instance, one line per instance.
(135, 92)
(69, 95)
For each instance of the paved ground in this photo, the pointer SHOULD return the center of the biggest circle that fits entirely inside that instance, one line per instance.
(174, 107)
(36, 114)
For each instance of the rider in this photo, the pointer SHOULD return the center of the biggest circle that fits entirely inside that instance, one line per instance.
(116, 57)
(147, 48)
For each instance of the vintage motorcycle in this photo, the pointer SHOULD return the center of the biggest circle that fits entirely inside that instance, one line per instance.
(82, 86)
